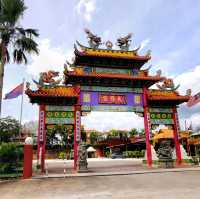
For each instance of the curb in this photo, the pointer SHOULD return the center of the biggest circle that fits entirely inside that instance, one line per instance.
(116, 173)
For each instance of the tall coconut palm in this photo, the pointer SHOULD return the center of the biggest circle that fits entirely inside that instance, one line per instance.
(16, 42)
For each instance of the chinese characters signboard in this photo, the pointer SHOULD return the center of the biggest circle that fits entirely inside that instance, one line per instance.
(78, 126)
(112, 99)
(42, 127)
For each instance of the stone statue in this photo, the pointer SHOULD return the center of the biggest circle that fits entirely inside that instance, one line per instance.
(124, 42)
(165, 150)
(165, 154)
(93, 40)
(82, 158)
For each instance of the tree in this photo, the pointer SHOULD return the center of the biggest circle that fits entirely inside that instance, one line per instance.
(9, 129)
(15, 41)
(114, 133)
(133, 132)
(142, 132)
(93, 137)
(59, 136)
(83, 134)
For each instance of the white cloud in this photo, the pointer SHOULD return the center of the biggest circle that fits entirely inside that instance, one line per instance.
(48, 58)
(104, 121)
(144, 43)
(189, 79)
(86, 8)
(193, 119)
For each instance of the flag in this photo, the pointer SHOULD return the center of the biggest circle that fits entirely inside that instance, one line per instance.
(194, 100)
(15, 92)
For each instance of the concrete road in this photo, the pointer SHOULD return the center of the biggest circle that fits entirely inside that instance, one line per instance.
(183, 185)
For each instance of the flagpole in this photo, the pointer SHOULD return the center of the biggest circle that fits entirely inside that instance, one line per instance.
(21, 110)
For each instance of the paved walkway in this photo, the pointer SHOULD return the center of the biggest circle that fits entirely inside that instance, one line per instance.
(104, 167)
(168, 185)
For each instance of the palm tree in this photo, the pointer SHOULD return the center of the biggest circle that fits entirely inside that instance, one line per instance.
(15, 41)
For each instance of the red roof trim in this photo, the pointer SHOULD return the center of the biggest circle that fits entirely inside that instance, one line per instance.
(155, 78)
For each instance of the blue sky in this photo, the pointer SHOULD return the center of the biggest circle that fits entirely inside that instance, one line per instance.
(170, 29)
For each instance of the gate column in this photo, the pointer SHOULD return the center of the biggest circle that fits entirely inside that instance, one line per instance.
(77, 132)
(176, 132)
(146, 127)
(41, 140)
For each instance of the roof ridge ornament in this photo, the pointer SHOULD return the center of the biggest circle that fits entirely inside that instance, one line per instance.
(109, 45)
(47, 79)
(93, 40)
(124, 42)
(148, 53)
(68, 66)
(168, 85)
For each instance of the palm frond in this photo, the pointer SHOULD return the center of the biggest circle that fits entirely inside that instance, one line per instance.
(21, 30)
(19, 56)
(27, 45)
(33, 32)
(7, 56)
(11, 11)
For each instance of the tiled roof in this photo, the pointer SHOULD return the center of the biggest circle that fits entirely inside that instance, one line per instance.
(110, 53)
(60, 91)
(102, 53)
(164, 133)
(166, 95)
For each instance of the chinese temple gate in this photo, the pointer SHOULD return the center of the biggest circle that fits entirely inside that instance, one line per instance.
(103, 79)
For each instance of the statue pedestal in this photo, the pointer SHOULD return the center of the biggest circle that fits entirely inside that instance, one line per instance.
(82, 159)
(166, 163)
(82, 167)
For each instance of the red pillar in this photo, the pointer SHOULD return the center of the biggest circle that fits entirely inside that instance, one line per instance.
(77, 132)
(176, 141)
(41, 140)
(146, 127)
(28, 158)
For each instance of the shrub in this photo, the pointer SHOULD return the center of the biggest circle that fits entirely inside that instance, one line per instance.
(107, 154)
(62, 155)
(142, 153)
(11, 157)
(134, 154)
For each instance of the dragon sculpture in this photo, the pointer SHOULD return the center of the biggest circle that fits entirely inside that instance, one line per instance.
(68, 66)
(47, 79)
(124, 42)
(168, 84)
(93, 40)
